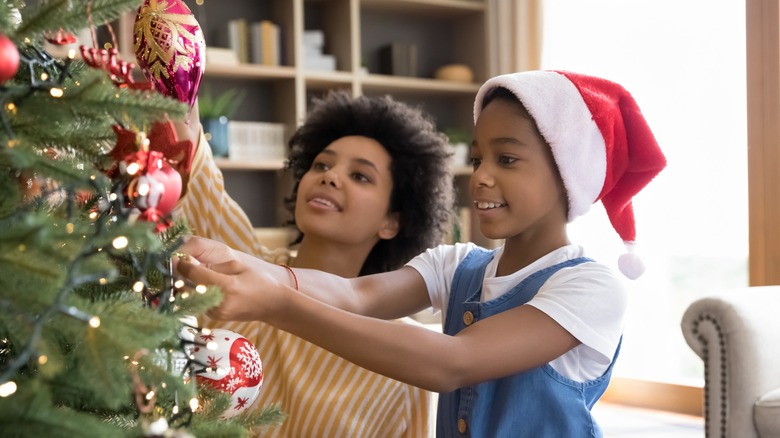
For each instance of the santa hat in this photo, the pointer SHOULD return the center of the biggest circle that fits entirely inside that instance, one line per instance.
(600, 141)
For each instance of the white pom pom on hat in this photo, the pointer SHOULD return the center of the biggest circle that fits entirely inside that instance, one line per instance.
(600, 141)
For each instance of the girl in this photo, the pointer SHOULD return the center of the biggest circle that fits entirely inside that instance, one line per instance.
(533, 328)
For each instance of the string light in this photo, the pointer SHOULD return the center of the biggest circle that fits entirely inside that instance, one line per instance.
(201, 289)
(69, 228)
(94, 322)
(56, 92)
(7, 388)
(120, 242)
(138, 286)
(42, 359)
(194, 404)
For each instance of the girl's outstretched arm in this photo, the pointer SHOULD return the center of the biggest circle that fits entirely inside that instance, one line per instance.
(504, 344)
(388, 295)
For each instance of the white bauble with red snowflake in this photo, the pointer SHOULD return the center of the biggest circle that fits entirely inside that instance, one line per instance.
(230, 363)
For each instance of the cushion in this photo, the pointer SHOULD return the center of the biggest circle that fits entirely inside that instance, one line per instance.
(766, 414)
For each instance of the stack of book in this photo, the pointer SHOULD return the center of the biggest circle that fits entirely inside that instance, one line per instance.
(257, 43)
(314, 57)
(398, 59)
(256, 141)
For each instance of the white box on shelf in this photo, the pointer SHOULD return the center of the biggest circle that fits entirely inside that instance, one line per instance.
(256, 141)
(321, 62)
(221, 56)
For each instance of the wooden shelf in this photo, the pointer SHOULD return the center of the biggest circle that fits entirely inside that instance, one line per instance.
(226, 164)
(437, 8)
(355, 32)
(250, 71)
(390, 84)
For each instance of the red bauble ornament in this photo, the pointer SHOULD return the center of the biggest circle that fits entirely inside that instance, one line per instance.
(170, 48)
(233, 365)
(9, 59)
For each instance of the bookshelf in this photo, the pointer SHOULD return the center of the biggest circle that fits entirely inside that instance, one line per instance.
(353, 33)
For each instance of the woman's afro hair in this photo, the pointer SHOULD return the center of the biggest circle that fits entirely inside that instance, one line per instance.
(423, 192)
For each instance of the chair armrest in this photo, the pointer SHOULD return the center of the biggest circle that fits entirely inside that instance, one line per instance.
(737, 334)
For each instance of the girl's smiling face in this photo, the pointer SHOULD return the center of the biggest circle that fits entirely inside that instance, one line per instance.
(345, 195)
(516, 188)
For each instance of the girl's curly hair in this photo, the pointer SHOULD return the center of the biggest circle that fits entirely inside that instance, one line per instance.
(423, 190)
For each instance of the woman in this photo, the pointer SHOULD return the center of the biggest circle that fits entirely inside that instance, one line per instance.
(372, 189)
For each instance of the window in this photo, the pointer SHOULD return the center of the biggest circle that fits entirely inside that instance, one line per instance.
(684, 62)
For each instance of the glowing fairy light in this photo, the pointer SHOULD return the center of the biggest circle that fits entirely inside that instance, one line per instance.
(72, 54)
(138, 286)
(144, 189)
(42, 359)
(150, 395)
(133, 168)
(44, 76)
(56, 92)
(69, 228)
(194, 404)
(201, 289)
(94, 322)
(178, 284)
(7, 388)
(120, 242)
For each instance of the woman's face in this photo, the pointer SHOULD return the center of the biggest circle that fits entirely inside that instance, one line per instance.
(345, 195)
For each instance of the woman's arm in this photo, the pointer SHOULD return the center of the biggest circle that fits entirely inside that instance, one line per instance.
(510, 342)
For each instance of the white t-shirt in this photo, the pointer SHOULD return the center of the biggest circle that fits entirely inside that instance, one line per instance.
(587, 300)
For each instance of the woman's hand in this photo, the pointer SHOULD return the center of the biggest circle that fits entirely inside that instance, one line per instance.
(249, 292)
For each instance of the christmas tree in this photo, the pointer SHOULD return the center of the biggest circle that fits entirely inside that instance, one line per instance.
(92, 341)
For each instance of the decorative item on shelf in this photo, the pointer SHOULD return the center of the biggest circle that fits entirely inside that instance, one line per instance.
(215, 114)
(228, 362)
(459, 140)
(170, 48)
(314, 56)
(455, 73)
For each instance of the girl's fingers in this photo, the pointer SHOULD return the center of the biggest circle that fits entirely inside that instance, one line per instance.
(197, 273)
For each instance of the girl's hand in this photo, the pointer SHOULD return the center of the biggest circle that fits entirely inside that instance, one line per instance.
(248, 293)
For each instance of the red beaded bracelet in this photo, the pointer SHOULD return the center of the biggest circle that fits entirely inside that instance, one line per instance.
(295, 277)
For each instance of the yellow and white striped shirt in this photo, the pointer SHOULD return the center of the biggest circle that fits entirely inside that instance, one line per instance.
(322, 394)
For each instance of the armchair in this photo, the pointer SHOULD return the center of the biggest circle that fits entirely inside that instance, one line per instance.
(737, 334)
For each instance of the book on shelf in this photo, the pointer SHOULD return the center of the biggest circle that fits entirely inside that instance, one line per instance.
(266, 43)
(256, 141)
(398, 59)
(238, 38)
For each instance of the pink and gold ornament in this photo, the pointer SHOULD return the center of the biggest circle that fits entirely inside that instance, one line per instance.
(170, 48)
(230, 364)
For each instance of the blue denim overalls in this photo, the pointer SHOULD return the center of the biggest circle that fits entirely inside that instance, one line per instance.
(536, 403)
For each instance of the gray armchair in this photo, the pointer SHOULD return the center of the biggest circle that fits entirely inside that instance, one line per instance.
(737, 334)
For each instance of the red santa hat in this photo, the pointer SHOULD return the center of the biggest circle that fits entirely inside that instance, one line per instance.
(600, 141)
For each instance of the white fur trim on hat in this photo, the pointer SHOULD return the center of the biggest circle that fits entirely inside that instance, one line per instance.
(566, 124)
